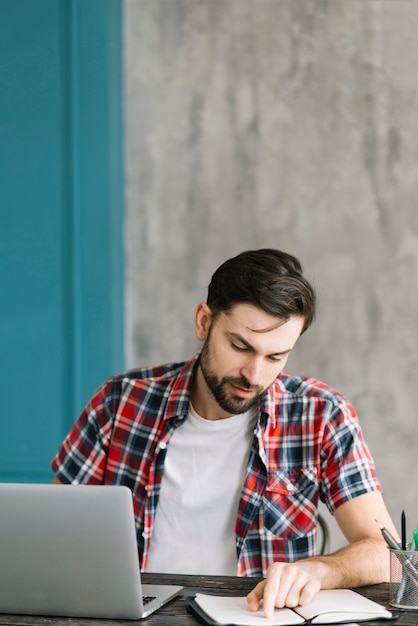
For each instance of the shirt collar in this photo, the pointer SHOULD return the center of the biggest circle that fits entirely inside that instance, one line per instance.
(267, 404)
(179, 394)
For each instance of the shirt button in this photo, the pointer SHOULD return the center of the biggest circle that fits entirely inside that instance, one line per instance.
(162, 445)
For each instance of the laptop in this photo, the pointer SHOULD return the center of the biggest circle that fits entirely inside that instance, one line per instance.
(71, 550)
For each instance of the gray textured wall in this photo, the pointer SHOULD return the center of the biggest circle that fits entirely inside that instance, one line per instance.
(291, 124)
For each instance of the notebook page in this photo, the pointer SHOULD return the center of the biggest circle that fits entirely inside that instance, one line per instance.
(234, 610)
(338, 605)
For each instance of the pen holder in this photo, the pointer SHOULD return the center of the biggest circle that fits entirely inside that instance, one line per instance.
(403, 588)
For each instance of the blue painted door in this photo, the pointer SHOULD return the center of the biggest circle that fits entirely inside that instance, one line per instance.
(61, 217)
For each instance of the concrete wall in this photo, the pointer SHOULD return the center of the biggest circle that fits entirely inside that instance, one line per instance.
(291, 124)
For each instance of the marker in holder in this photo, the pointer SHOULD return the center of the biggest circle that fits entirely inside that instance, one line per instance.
(403, 588)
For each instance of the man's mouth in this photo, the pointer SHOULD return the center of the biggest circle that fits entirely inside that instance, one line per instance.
(242, 392)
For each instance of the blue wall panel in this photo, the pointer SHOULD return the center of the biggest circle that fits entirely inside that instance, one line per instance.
(61, 217)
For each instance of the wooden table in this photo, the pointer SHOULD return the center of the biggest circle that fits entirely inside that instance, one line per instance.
(175, 613)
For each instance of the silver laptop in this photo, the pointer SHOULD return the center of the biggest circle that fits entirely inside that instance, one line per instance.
(71, 550)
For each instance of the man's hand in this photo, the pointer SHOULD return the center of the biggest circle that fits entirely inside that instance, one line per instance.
(364, 561)
(286, 584)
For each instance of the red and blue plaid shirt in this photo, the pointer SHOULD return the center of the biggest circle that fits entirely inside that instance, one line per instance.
(307, 447)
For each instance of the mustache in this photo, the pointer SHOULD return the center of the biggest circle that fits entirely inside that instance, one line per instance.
(243, 383)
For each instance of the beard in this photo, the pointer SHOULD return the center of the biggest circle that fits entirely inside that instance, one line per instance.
(220, 389)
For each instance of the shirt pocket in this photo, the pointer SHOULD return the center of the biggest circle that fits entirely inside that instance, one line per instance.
(290, 502)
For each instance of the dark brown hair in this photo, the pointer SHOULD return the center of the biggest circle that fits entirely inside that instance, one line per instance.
(267, 278)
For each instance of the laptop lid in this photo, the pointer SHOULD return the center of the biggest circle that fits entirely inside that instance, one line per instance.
(71, 550)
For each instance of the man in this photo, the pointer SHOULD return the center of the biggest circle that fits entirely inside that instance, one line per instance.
(227, 455)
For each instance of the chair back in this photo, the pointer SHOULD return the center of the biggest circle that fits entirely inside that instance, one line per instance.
(324, 537)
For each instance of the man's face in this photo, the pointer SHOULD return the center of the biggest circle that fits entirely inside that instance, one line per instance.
(244, 352)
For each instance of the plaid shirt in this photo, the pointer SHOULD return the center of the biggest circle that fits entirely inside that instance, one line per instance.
(307, 446)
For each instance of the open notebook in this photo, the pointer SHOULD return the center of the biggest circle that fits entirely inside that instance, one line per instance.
(327, 607)
(71, 550)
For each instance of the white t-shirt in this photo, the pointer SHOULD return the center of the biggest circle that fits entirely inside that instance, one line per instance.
(204, 469)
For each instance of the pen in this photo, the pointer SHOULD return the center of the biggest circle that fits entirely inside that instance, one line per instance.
(403, 530)
(392, 543)
(407, 565)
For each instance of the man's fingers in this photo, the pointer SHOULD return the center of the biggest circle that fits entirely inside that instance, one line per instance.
(255, 596)
(278, 589)
(273, 583)
(309, 591)
(285, 585)
(297, 589)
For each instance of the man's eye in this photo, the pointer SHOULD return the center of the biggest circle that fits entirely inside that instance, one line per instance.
(275, 359)
(239, 348)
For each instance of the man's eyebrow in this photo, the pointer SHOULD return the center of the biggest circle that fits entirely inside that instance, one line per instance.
(246, 343)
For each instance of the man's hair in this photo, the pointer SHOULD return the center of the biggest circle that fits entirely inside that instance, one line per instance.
(267, 278)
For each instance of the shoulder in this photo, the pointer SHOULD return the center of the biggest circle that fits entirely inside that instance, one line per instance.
(157, 376)
(158, 373)
(306, 386)
(291, 389)
(146, 384)
(306, 404)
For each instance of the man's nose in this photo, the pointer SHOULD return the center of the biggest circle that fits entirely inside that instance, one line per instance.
(252, 371)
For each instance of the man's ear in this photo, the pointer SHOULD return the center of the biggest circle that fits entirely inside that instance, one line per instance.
(202, 320)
